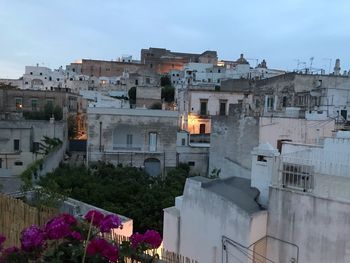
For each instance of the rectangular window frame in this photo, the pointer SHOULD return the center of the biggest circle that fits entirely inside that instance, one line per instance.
(16, 145)
(153, 138)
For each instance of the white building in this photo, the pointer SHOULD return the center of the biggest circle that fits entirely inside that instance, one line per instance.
(305, 192)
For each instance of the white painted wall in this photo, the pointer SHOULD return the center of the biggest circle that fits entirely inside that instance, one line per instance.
(297, 130)
(203, 224)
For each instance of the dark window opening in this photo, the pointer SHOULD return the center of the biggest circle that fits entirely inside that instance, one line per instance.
(16, 145)
(18, 163)
(203, 110)
(202, 128)
(284, 101)
(222, 108)
(261, 158)
(191, 163)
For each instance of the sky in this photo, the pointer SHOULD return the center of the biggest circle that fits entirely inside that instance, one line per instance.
(54, 33)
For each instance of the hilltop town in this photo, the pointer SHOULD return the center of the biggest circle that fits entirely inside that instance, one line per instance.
(252, 163)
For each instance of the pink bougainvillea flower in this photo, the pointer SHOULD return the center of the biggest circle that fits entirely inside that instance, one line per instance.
(109, 222)
(76, 235)
(2, 240)
(136, 239)
(69, 219)
(152, 238)
(99, 246)
(57, 228)
(32, 238)
(11, 250)
(98, 217)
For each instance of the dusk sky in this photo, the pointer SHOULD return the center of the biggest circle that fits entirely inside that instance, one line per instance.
(54, 33)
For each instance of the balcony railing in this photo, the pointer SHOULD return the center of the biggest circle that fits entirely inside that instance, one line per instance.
(297, 176)
(200, 138)
(129, 147)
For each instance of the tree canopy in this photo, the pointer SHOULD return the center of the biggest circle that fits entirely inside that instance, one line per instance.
(124, 190)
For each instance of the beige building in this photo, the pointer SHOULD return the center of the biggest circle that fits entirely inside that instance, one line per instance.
(136, 137)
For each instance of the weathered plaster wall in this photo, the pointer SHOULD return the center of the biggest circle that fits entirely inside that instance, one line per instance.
(319, 227)
(231, 142)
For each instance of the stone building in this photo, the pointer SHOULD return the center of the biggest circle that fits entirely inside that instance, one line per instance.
(103, 68)
(163, 61)
(137, 137)
(17, 100)
(322, 96)
(20, 138)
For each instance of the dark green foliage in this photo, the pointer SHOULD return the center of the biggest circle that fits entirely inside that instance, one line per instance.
(123, 190)
(46, 114)
(72, 126)
(165, 81)
(132, 95)
(168, 93)
(156, 106)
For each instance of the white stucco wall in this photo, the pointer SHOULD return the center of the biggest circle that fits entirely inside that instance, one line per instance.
(319, 227)
(205, 217)
(297, 130)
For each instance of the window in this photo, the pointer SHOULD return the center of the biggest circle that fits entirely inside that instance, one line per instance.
(203, 109)
(153, 142)
(218, 81)
(36, 147)
(18, 163)
(151, 65)
(148, 81)
(16, 145)
(26, 83)
(219, 70)
(34, 104)
(31, 73)
(41, 74)
(209, 80)
(261, 158)
(191, 163)
(270, 103)
(50, 78)
(297, 176)
(58, 79)
(202, 128)
(73, 69)
(183, 141)
(222, 108)
(49, 102)
(136, 82)
(129, 140)
(18, 103)
(284, 101)
(0, 163)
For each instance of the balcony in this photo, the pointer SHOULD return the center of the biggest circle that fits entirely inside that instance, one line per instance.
(129, 147)
(200, 138)
(203, 114)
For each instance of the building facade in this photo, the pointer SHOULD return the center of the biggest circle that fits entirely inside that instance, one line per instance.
(136, 137)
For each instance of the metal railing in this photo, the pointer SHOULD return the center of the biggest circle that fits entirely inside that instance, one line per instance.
(297, 176)
(200, 138)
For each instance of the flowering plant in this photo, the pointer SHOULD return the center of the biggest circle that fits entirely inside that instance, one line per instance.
(66, 239)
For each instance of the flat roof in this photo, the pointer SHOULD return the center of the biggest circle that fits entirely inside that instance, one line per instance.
(133, 112)
(238, 191)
